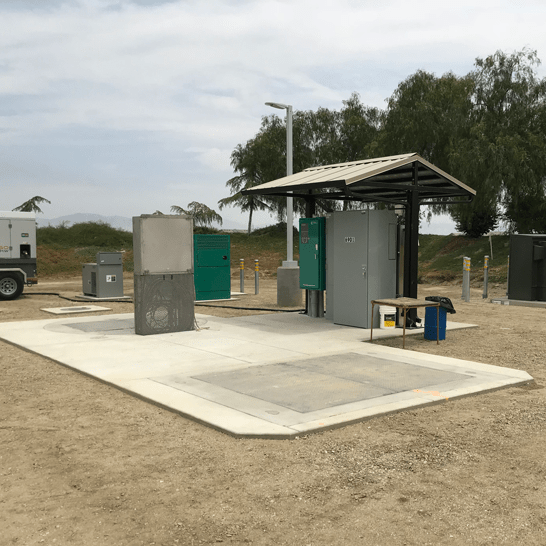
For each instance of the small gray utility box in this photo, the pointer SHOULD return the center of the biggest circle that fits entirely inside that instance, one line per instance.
(104, 279)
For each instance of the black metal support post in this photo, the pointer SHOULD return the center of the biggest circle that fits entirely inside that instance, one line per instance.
(310, 206)
(411, 243)
(309, 212)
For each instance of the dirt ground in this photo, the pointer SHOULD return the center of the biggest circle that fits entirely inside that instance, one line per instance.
(82, 463)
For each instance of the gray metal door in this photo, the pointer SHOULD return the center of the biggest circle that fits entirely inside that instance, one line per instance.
(351, 269)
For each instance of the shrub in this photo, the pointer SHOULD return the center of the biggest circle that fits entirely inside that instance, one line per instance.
(274, 230)
(85, 234)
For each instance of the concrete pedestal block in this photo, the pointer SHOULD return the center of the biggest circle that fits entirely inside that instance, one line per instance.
(289, 293)
(316, 304)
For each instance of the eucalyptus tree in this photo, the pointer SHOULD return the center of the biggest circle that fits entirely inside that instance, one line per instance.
(427, 114)
(244, 160)
(359, 129)
(320, 137)
(262, 159)
(504, 156)
(487, 128)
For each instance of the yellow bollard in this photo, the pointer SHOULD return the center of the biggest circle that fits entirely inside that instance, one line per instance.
(466, 279)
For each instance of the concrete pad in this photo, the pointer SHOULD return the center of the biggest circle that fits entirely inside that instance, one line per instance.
(269, 376)
(522, 303)
(212, 301)
(83, 297)
(73, 310)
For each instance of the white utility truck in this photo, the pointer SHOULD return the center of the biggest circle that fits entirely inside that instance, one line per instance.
(17, 253)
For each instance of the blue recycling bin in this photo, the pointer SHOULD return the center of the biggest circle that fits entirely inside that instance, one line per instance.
(431, 323)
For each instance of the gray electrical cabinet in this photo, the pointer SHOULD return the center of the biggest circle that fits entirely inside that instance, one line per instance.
(163, 279)
(527, 275)
(361, 252)
(104, 279)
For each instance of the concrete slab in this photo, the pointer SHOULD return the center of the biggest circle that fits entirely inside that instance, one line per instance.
(269, 376)
(74, 310)
(212, 301)
(84, 297)
(522, 303)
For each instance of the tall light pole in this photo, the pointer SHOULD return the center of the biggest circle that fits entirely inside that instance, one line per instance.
(289, 200)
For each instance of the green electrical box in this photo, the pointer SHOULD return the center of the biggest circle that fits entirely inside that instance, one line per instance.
(211, 267)
(312, 253)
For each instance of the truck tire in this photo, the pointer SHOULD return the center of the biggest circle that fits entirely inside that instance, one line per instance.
(11, 286)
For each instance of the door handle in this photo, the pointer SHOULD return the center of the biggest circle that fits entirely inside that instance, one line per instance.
(364, 270)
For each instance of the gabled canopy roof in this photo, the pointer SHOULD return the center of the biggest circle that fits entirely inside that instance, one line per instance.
(381, 179)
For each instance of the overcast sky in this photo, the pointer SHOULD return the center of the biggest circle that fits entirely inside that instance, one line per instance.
(124, 107)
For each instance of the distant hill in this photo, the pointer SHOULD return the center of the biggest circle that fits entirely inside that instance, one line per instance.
(120, 222)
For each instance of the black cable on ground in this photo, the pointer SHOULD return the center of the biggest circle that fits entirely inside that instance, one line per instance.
(197, 304)
(72, 299)
(251, 308)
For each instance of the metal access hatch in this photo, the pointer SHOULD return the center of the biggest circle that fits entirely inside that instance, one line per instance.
(212, 267)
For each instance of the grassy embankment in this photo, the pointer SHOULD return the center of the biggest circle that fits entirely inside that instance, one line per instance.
(62, 250)
(441, 258)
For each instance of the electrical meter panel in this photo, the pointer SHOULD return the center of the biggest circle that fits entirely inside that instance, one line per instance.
(312, 253)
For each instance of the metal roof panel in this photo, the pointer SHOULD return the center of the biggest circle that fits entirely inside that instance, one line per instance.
(354, 172)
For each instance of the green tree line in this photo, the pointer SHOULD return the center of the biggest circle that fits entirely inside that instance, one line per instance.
(487, 128)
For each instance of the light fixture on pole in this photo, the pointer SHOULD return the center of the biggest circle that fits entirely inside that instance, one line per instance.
(289, 200)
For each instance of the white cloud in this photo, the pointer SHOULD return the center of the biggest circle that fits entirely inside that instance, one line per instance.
(212, 158)
(114, 90)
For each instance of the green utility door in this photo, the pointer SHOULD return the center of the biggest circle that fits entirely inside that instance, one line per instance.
(312, 254)
(211, 267)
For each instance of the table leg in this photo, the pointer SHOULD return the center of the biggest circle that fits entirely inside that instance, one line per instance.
(371, 329)
(404, 334)
(437, 325)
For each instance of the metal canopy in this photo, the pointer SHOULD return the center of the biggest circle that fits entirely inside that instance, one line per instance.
(386, 179)
(407, 180)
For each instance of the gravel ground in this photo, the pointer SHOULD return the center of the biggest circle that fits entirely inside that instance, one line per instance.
(82, 463)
